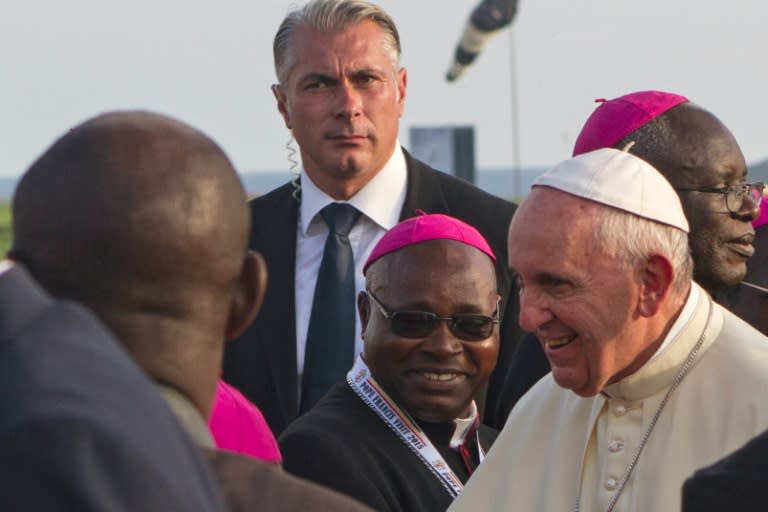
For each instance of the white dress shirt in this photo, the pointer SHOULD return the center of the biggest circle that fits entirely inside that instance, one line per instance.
(380, 202)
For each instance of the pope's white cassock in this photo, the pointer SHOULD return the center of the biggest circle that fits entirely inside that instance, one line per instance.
(558, 449)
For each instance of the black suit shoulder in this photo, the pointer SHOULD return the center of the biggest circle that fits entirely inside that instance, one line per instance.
(274, 217)
(736, 482)
(267, 212)
(490, 214)
(465, 197)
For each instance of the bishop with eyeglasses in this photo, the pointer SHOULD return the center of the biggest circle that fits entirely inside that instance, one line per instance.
(403, 432)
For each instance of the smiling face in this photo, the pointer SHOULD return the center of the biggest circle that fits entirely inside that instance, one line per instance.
(436, 377)
(343, 101)
(705, 154)
(581, 303)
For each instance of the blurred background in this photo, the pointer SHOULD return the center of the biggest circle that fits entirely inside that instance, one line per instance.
(526, 95)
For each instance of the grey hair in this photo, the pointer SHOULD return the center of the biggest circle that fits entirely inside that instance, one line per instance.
(633, 239)
(655, 142)
(331, 16)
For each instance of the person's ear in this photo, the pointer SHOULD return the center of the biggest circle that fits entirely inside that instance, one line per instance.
(248, 295)
(656, 277)
(401, 79)
(363, 309)
(282, 104)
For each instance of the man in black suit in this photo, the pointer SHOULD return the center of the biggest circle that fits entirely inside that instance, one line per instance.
(341, 92)
(81, 427)
(144, 220)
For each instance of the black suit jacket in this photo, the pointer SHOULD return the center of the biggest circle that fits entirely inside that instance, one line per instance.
(262, 362)
(81, 427)
(737, 482)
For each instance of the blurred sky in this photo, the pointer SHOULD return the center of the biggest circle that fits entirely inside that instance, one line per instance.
(210, 64)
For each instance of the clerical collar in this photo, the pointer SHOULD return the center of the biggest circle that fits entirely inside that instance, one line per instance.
(659, 371)
(686, 313)
(188, 415)
(682, 320)
(463, 427)
(452, 433)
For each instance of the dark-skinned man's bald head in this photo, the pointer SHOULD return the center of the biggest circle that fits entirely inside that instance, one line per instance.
(693, 149)
(143, 219)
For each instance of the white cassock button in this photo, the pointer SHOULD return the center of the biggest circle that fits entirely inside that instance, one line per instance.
(611, 484)
(620, 410)
(615, 446)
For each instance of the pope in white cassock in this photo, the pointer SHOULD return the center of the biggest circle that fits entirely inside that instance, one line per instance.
(650, 378)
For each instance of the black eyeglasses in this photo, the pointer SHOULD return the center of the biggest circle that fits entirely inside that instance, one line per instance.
(420, 324)
(734, 194)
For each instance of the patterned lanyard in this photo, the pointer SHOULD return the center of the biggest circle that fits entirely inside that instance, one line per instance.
(400, 422)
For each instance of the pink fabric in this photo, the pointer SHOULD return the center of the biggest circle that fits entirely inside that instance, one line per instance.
(615, 119)
(426, 227)
(238, 426)
(763, 217)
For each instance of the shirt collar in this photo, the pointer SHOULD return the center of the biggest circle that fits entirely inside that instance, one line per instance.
(463, 427)
(188, 415)
(374, 200)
